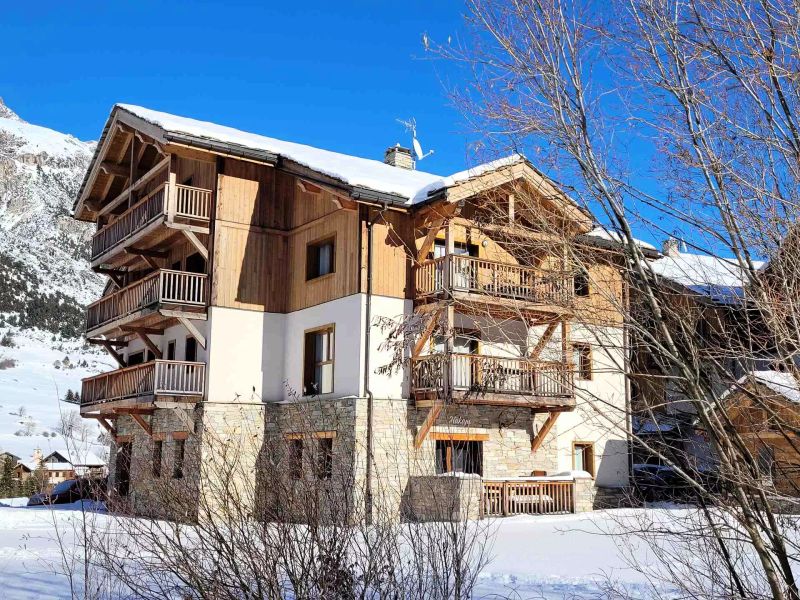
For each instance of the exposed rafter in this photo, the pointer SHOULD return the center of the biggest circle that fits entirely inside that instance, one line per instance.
(430, 420)
(538, 438)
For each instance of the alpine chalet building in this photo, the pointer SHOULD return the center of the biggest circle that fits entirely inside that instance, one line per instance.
(249, 276)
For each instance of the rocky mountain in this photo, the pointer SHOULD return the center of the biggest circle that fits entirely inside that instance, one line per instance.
(45, 279)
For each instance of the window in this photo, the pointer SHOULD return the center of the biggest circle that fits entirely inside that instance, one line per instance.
(582, 357)
(583, 457)
(766, 461)
(195, 263)
(318, 362)
(178, 456)
(320, 258)
(190, 353)
(157, 453)
(581, 283)
(136, 358)
(123, 470)
(296, 459)
(454, 456)
(324, 458)
(171, 350)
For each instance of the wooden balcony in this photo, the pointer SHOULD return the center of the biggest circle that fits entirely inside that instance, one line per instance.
(141, 299)
(474, 279)
(138, 386)
(179, 203)
(478, 379)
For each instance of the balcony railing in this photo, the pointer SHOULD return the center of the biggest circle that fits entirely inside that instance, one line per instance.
(501, 280)
(154, 378)
(190, 203)
(527, 497)
(160, 287)
(491, 375)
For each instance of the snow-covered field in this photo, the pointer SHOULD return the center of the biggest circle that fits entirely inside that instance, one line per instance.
(546, 557)
(31, 391)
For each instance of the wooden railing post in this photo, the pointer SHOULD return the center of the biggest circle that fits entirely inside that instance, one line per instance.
(172, 193)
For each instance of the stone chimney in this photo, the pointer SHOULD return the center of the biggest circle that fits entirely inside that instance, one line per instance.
(671, 247)
(397, 156)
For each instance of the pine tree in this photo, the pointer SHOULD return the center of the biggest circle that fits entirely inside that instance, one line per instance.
(7, 487)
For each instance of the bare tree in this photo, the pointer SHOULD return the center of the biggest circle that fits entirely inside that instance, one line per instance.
(673, 118)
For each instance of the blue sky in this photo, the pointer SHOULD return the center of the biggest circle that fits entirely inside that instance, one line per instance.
(334, 75)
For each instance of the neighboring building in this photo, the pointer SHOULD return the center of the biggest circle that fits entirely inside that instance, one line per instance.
(707, 312)
(249, 277)
(57, 468)
(764, 407)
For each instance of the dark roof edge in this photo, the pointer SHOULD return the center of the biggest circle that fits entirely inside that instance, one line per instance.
(221, 147)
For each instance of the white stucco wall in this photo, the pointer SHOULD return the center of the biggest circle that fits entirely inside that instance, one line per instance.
(600, 415)
(245, 352)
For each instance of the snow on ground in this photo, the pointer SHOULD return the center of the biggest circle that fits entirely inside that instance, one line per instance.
(35, 387)
(543, 557)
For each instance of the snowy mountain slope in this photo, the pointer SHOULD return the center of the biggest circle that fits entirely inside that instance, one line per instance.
(35, 377)
(43, 251)
(45, 283)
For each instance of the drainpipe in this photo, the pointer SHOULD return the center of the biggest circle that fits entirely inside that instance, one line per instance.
(367, 391)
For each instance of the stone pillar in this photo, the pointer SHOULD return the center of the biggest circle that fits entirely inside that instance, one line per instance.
(584, 493)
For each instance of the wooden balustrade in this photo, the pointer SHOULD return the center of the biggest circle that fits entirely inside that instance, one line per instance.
(476, 275)
(527, 497)
(492, 374)
(190, 203)
(154, 378)
(163, 286)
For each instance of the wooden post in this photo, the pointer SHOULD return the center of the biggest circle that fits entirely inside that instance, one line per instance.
(172, 192)
(449, 246)
(505, 498)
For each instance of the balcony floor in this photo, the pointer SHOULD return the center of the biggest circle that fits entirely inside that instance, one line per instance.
(148, 317)
(144, 404)
(156, 236)
(426, 399)
(476, 303)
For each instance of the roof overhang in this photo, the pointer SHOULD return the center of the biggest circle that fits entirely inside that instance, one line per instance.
(519, 171)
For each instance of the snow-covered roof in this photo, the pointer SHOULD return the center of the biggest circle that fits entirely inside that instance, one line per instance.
(412, 185)
(722, 279)
(780, 382)
(604, 233)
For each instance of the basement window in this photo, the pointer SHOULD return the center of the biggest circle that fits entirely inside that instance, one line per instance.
(296, 459)
(318, 362)
(179, 455)
(324, 458)
(455, 456)
(158, 448)
(320, 258)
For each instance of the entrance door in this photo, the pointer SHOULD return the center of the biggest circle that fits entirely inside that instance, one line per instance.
(463, 273)
(463, 366)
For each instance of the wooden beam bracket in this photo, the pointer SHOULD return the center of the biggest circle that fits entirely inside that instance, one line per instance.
(142, 423)
(430, 420)
(195, 241)
(538, 437)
